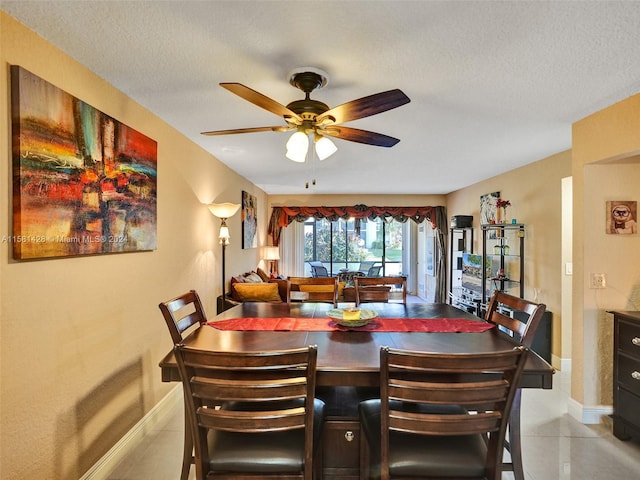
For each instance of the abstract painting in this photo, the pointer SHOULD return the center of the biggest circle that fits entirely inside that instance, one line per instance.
(83, 183)
(249, 220)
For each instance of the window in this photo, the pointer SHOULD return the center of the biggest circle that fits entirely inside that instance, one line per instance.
(340, 247)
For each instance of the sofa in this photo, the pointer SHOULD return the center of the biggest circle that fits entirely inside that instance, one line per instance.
(256, 286)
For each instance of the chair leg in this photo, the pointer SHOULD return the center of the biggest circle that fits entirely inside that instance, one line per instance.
(514, 446)
(364, 457)
(187, 453)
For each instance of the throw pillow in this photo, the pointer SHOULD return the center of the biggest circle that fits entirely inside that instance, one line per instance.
(263, 275)
(257, 292)
(252, 277)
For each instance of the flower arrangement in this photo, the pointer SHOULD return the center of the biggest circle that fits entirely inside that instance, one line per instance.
(503, 203)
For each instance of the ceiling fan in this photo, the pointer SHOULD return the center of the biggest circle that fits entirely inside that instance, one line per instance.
(313, 118)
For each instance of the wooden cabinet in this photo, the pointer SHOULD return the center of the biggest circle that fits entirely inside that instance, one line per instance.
(341, 449)
(626, 375)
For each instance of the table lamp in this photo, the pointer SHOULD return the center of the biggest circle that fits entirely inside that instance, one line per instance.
(224, 211)
(272, 255)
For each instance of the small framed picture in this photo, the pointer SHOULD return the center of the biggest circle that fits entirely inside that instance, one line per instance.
(430, 256)
(621, 216)
(488, 208)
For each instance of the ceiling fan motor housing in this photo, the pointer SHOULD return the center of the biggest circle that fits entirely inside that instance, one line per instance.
(307, 82)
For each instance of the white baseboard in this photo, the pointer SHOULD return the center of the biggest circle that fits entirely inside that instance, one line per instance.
(562, 364)
(108, 463)
(588, 415)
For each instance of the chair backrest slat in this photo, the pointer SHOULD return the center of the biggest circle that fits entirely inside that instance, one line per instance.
(380, 289)
(522, 330)
(318, 289)
(183, 314)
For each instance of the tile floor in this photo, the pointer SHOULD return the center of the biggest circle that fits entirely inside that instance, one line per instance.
(555, 446)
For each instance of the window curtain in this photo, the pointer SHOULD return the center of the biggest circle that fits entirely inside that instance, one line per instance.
(282, 216)
(292, 251)
(441, 255)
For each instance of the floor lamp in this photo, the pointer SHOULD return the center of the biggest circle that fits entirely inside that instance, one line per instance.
(224, 211)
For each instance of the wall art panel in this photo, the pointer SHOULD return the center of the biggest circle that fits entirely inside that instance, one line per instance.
(83, 182)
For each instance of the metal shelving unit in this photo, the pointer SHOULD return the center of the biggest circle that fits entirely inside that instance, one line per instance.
(503, 257)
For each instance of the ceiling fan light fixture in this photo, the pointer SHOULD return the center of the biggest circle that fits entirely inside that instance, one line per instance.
(325, 147)
(297, 147)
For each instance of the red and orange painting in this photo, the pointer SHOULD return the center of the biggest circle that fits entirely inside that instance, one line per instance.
(83, 183)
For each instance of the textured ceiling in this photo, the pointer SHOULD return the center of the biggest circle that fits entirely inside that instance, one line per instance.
(493, 85)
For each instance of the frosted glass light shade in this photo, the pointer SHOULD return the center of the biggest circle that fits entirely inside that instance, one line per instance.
(224, 234)
(224, 210)
(325, 148)
(297, 147)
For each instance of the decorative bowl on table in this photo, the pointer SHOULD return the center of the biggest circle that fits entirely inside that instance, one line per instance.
(351, 317)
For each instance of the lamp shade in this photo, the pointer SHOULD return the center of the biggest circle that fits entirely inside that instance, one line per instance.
(271, 253)
(224, 234)
(224, 210)
(325, 148)
(297, 147)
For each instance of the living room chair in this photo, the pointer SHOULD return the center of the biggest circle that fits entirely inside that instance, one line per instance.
(315, 289)
(318, 269)
(183, 315)
(374, 271)
(439, 415)
(380, 289)
(524, 331)
(365, 266)
(269, 424)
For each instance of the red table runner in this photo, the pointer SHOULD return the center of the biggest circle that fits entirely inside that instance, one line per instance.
(434, 325)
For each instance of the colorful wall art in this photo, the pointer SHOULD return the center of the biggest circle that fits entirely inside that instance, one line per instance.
(83, 183)
(249, 220)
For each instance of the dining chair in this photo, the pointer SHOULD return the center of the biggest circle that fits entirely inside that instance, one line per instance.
(439, 415)
(183, 315)
(380, 289)
(316, 289)
(269, 423)
(523, 329)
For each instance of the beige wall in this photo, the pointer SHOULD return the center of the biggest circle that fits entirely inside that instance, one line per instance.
(345, 200)
(80, 338)
(605, 167)
(535, 192)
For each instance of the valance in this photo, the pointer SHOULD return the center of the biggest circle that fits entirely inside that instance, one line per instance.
(283, 216)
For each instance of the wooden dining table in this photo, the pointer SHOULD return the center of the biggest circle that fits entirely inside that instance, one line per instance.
(351, 357)
(348, 359)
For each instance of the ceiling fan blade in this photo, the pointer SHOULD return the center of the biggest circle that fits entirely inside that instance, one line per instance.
(360, 136)
(365, 106)
(260, 100)
(247, 130)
